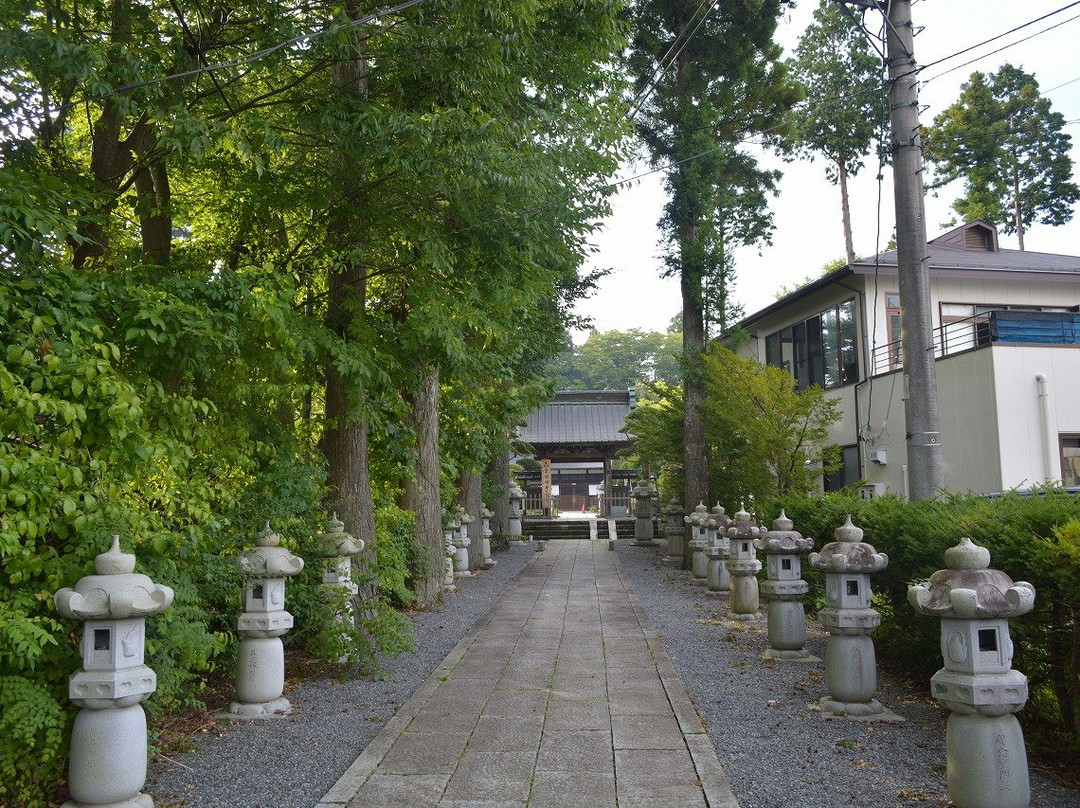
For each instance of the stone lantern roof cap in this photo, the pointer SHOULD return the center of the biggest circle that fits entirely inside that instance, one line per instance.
(336, 542)
(700, 517)
(743, 527)
(783, 538)
(485, 513)
(849, 553)
(268, 559)
(969, 589)
(515, 492)
(115, 592)
(673, 507)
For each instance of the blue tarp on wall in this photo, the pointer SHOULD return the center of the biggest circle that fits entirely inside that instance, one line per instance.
(1045, 327)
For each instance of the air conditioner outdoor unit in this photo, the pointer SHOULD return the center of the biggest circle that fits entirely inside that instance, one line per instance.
(878, 456)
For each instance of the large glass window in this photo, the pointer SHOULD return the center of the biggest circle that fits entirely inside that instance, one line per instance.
(848, 473)
(819, 350)
(1070, 460)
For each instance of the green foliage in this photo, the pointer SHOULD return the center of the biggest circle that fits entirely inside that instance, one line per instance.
(33, 727)
(620, 360)
(1031, 538)
(1002, 138)
(765, 435)
(761, 431)
(396, 567)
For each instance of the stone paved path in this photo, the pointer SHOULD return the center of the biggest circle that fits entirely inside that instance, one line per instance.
(561, 696)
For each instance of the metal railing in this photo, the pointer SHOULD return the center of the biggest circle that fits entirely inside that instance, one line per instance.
(986, 328)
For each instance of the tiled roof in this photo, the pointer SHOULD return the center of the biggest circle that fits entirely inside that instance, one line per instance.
(576, 423)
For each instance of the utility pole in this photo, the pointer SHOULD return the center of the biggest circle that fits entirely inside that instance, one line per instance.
(926, 476)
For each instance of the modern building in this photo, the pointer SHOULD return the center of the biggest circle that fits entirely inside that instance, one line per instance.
(1007, 342)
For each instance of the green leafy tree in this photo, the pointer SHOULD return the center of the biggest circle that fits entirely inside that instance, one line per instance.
(769, 437)
(1004, 140)
(841, 77)
(619, 360)
(708, 78)
(762, 429)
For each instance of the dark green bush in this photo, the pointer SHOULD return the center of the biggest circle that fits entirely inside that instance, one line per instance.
(1032, 538)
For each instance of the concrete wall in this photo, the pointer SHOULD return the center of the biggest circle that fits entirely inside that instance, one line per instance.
(1023, 448)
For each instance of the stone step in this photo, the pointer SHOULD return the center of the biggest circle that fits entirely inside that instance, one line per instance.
(553, 529)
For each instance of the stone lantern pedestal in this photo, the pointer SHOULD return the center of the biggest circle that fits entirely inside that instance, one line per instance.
(717, 552)
(107, 761)
(743, 566)
(517, 510)
(986, 762)
(699, 525)
(462, 542)
(785, 590)
(850, 664)
(487, 562)
(675, 533)
(450, 528)
(260, 663)
(339, 548)
(645, 496)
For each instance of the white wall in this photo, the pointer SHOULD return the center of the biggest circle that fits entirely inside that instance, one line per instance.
(1020, 426)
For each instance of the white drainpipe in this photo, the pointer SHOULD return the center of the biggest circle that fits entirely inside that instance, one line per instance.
(1049, 443)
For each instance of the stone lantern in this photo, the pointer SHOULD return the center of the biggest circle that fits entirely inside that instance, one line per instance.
(674, 532)
(717, 551)
(339, 547)
(699, 524)
(743, 567)
(450, 529)
(462, 542)
(986, 764)
(487, 562)
(644, 495)
(785, 589)
(517, 510)
(260, 663)
(850, 665)
(107, 762)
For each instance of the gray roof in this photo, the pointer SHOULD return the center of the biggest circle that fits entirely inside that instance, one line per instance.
(577, 422)
(948, 256)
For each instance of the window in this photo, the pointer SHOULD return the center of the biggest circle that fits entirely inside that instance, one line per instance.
(848, 473)
(1070, 460)
(892, 319)
(820, 350)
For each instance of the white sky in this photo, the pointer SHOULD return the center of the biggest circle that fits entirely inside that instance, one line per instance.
(807, 213)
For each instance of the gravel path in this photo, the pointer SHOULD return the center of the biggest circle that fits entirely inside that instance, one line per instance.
(775, 750)
(293, 761)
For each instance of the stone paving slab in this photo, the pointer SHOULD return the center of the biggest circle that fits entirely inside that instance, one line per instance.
(562, 696)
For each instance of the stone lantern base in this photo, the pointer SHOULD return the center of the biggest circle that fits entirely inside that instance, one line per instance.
(107, 764)
(239, 711)
(976, 748)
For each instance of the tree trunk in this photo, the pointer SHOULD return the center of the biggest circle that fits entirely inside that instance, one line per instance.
(472, 495)
(422, 495)
(498, 472)
(695, 457)
(845, 210)
(345, 434)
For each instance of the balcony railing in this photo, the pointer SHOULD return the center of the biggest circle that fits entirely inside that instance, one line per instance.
(986, 328)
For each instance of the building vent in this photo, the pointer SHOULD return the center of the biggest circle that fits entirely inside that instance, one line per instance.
(977, 238)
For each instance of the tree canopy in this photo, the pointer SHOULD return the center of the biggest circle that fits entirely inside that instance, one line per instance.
(619, 360)
(255, 262)
(1008, 145)
(843, 111)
